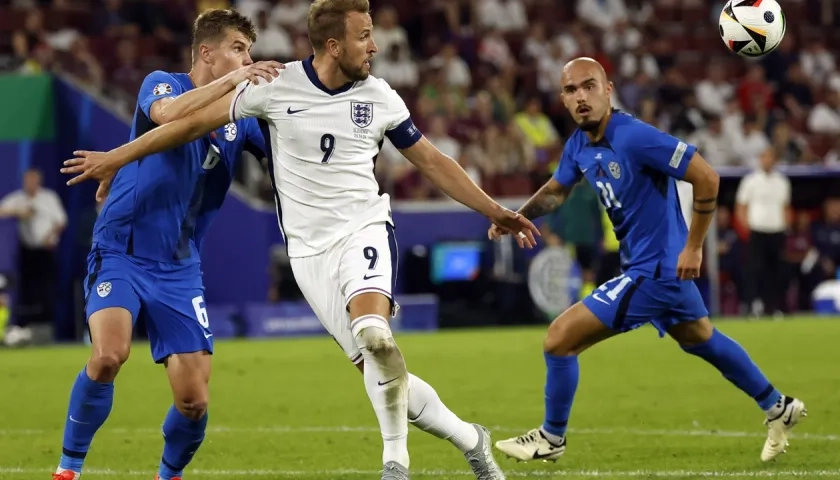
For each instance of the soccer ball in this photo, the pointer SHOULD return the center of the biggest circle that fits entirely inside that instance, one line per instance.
(752, 28)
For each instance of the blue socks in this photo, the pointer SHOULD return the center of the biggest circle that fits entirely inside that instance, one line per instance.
(90, 404)
(736, 366)
(560, 386)
(182, 437)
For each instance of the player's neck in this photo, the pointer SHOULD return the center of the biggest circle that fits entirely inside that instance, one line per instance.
(328, 73)
(200, 76)
(599, 134)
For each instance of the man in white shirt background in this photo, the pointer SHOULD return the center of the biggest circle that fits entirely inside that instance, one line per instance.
(761, 204)
(41, 220)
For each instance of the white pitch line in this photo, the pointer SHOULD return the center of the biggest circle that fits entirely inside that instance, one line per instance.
(458, 473)
(283, 429)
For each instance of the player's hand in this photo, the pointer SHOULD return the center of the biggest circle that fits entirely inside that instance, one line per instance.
(267, 70)
(688, 263)
(92, 166)
(508, 222)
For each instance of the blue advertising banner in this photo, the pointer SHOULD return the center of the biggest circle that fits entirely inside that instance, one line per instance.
(294, 319)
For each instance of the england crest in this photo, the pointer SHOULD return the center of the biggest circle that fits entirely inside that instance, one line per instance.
(361, 113)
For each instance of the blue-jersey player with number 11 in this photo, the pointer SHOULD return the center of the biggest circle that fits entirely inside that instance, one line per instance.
(144, 260)
(633, 166)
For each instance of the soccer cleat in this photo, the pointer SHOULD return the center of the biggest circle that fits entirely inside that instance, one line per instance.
(532, 446)
(157, 477)
(481, 459)
(779, 427)
(394, 471)
(66, 475)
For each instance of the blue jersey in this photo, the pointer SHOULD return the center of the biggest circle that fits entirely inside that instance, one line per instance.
(633, 168)
(160, 206)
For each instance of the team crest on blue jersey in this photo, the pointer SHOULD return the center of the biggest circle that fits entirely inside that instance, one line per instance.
(230, 132)
(615, 170)
(361, 113)
(162, 89)
(103, 289)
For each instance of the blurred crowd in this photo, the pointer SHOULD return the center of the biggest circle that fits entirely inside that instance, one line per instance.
(481, 76)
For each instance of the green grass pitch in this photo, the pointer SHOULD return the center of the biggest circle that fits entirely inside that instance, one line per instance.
(298, 409)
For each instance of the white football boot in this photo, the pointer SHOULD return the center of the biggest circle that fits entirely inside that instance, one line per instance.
(779, 426)
(532, 446)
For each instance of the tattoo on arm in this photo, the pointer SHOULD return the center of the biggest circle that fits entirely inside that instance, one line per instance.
(546, 200)
(705, 205)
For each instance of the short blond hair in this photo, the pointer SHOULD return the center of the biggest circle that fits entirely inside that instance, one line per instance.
(328, 19)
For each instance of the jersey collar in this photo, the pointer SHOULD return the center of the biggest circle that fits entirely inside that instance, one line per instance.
(313, 77)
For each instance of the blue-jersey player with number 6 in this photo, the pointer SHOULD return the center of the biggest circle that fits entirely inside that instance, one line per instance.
(144, 261)
(634, 168)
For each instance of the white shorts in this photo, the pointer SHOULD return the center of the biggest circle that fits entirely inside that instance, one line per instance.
(365, 261)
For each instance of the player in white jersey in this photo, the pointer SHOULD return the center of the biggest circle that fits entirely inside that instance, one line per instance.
(326, 119)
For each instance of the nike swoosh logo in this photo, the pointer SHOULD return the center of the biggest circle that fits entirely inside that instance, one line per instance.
(208, 335)
(418, 415)
(292, 112)
(786, 421)
(596, 297)
(368, 277)
(76, 421)
(538, 455)
(382, 384)
(583, 170)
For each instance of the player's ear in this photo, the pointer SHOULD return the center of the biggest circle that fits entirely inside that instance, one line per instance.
(333, 47)
(205, 53)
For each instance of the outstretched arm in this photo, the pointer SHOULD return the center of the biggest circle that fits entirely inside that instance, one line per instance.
(547, 199)
(169, 109)
(447, 175)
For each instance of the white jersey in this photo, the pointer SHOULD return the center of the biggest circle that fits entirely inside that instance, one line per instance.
(323, 144)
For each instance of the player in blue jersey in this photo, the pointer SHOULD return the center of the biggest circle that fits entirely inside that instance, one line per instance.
(633, 166)
(144, 260)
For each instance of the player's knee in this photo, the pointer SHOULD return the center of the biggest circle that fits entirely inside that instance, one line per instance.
(373, 334)
(574, 331)
(691, 334)
(105, 363)
(193, 407)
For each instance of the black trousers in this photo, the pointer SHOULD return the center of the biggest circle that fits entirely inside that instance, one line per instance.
(36, 289)
(767, 278)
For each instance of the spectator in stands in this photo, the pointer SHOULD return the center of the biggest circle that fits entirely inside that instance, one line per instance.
(505, 15)
(790, 148)
(603, 14)
(396, 67)
(456, 72)
(389, 32)
(128, 75)
(291, 15)
(825, 117)
(794, 94)
(827, 239)
(275, 43)
(538, 130)
(730, 250)
(41, 220)
(712, 141)
(752, 141)
(762, 201)
(754, 92)
(714, 91)
(798, 244)
(817, 61)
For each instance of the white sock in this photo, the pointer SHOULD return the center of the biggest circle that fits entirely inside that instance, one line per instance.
(428, 413)
(777, 409)
(386, 382)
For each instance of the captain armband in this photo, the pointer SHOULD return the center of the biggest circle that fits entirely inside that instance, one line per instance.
(705, 205)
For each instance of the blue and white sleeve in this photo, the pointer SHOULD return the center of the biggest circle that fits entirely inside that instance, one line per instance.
(400, 129)
(660, 151)
(567, 173)
(157, 85)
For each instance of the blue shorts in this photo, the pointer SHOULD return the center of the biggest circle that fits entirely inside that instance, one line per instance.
(169, 297)
(629, 301)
